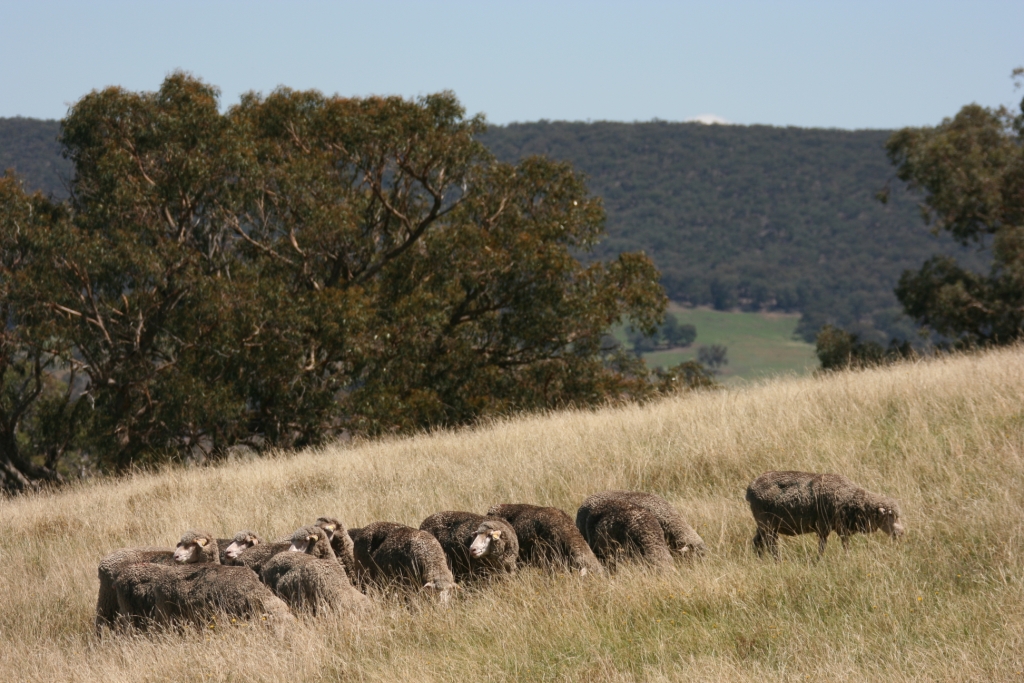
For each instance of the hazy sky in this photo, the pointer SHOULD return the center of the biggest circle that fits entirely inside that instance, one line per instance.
(827, 63)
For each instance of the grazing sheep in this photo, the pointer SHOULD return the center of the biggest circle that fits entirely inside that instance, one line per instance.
(309, 576)
(614, 532)
(791, 503)
(107, 610)
(194, 592)
(389, 553)
(473, 544)
(341, 542)
(231, 548)
(194, 547)
(680, 537)
(255, 557)
(547, 537)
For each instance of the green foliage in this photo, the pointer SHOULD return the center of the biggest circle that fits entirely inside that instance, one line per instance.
(302, 266)
(670, 334)
(713, 357)
(838, 349)
(756, 217)
(971, 169)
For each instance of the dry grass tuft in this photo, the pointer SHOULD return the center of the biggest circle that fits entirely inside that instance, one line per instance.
(945, 437)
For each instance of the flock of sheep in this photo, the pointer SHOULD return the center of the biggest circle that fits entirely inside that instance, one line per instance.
(325, 566)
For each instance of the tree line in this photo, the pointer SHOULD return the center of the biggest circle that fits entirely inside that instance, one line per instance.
(297, 268)
(969, 170)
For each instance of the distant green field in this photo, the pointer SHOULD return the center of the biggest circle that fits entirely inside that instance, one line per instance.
(760, 344)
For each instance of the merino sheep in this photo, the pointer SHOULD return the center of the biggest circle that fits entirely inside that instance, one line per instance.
(341, 542)
(473, 544)
(108, 613)
(679, 537)
(194, 592)
(255, 557)
(548, 538)
(194, 547)
(614, 532)
(389, 553)
(791, 503)
(231, 548)
(309, 576)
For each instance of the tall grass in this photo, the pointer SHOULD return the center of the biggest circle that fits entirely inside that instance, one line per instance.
(945, 437)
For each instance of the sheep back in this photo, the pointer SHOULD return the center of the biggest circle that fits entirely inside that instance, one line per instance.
(390, 553)
(548, 537)
(455, 531)
(791, 503)
(108, 611)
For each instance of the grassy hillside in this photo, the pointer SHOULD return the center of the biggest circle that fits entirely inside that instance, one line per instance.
(945, 437)
(760, 344)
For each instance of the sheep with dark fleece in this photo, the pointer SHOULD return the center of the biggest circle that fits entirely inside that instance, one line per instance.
(108, 613)
(194, 592)
(195, 547)
(309, 576)
(548, 538)
(474, 545)
(394, 554)
(616, 532)
(341, 542)
(791, 503)
(634, 523)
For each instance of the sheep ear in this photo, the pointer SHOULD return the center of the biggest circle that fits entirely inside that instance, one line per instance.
(496, 534)
(882, 510)
(201, 542)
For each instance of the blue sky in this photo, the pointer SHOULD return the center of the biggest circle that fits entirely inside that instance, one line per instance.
(861, 64)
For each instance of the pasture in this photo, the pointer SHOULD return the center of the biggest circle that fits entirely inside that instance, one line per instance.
(945, 437)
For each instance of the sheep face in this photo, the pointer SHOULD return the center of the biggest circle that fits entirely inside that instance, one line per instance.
(485, 542)
(191, 548)
(239, 543)
(302, 543)
(887, 519)
(329, 525)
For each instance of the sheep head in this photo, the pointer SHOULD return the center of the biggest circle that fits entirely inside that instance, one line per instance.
(197, 546)
(243, 540)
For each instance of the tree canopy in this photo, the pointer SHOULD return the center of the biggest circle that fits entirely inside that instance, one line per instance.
(295, 268)
(971, 171)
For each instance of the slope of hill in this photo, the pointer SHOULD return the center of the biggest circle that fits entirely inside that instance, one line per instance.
(946, 437)
(751, 216)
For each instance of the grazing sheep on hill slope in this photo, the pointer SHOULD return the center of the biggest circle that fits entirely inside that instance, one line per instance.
(107, 610)
(194, 547)
(680, 537)
(194, 592)
(386, 552)
(615, 529)
(473, 544)
(308, 576)
(547, 537)
(791, 503)
(341, 542)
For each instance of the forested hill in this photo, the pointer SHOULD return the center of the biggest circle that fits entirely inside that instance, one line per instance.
(30, 148)
(751, 216)
(734, 216)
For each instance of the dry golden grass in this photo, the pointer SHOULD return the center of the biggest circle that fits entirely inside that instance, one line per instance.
(945, 437)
